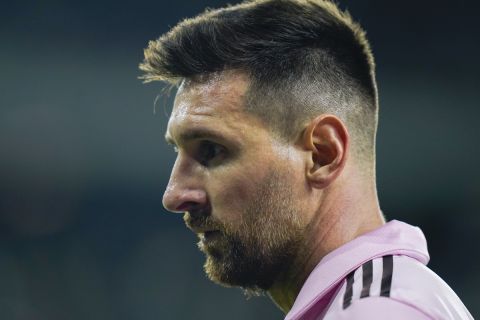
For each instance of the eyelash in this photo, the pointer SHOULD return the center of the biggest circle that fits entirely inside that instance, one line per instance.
(203, 151)
(209, 151)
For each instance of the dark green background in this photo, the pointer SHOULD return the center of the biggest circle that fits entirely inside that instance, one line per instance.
(83, 164)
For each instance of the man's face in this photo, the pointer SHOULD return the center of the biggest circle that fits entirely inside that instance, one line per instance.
(239, 186)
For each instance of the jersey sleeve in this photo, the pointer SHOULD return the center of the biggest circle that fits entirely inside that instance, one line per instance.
(380, 308)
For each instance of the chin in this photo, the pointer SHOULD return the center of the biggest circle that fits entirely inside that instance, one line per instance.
(230, 274)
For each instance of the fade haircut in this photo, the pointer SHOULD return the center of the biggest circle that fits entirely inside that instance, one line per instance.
(303, 58)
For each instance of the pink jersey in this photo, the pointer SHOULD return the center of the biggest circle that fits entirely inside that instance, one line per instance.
(379, 275)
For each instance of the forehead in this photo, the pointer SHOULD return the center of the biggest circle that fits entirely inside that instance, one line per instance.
(227, 88)
(215, 103)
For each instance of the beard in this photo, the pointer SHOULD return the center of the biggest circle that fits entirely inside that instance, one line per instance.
(260, 248)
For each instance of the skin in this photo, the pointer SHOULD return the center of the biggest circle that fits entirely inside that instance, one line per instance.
(275, 208)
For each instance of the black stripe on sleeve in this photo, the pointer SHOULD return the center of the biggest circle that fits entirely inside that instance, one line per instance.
(367, 269)
(347, 298)
(386, 276)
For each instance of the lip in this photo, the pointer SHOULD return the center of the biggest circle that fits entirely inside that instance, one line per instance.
(199, 230)
(209, 235)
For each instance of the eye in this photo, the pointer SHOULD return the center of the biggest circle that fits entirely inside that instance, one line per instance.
(210, 151)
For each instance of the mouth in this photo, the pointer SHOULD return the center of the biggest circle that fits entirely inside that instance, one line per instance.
(209, 235)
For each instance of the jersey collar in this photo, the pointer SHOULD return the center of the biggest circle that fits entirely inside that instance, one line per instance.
(393, 238)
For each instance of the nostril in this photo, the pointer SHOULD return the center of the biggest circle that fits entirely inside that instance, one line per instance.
(187, 206)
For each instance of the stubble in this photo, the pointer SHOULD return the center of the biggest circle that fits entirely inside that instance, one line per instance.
(261, 247)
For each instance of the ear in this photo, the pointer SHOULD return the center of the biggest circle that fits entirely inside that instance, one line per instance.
(327, 141)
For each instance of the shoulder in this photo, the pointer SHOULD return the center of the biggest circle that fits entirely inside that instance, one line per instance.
(397, 286)
(374, 308)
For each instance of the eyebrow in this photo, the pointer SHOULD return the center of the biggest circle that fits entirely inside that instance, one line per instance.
(194, 134)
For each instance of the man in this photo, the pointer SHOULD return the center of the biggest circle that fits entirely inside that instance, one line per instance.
(274, 123)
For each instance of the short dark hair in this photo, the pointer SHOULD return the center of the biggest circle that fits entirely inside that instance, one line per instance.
(303, 58)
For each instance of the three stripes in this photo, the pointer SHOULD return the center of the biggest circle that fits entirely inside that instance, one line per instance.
(367, 279)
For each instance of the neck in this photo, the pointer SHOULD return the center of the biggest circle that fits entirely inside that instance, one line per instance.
(343, 215)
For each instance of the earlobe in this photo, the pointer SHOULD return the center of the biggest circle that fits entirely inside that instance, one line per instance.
(327, 140)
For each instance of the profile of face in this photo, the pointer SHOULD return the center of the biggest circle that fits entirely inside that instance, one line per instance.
(237, 184)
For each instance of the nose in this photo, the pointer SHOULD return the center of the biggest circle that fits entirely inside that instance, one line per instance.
(184, 191)
(178, 199)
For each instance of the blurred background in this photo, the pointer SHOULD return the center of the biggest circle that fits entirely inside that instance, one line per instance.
(83, 164)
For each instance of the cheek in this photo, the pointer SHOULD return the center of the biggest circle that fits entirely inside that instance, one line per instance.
(231, 193)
